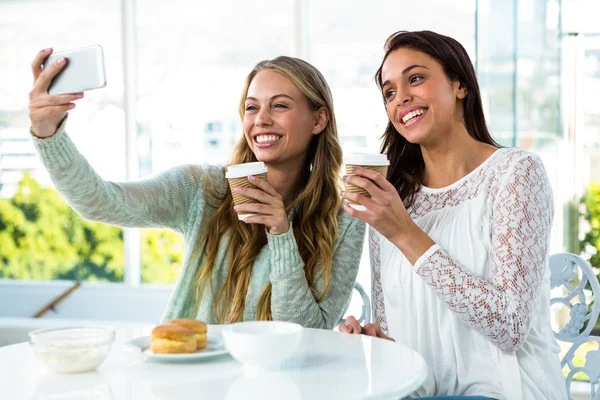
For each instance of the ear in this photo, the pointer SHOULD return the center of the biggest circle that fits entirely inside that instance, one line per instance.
(320, 121)
(460, 89)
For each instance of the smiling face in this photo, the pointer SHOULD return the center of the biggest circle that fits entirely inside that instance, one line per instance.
(421, 102)
(278, 122)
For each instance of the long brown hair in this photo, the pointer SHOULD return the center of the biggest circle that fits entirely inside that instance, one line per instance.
(406, 160)
(315, 206)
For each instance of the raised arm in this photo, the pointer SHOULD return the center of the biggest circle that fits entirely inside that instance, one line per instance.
(162, 201)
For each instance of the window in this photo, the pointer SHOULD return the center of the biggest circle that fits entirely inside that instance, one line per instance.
(41, 238)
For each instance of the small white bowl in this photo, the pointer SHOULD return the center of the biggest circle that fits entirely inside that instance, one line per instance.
(262, 344)
(72, 349)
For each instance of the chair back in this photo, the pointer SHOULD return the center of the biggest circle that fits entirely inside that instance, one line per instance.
(579, 290)
(365, 316)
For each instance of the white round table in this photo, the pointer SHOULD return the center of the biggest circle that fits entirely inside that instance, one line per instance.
(328, 365)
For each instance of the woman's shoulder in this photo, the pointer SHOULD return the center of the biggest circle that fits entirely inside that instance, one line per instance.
(516, 161)
(517, 156)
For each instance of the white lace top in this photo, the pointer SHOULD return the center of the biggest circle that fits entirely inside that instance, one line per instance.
(476, 304)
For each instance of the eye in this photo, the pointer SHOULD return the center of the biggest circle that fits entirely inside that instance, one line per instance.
(389, 94)
(415, 78)
(280, 105)
(250, 107)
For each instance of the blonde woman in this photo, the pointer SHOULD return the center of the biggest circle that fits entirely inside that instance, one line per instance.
(295, 261)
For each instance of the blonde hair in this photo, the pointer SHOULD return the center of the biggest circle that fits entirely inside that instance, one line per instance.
(316, 206)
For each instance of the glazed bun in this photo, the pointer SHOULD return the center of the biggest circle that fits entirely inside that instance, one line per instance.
(193, 324)
(172, 339)
(198, 327)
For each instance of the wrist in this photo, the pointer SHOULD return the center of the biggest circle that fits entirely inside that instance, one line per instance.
(402, 236)
(38, 134)
(44, 131)
(413, 243)
(274, 231)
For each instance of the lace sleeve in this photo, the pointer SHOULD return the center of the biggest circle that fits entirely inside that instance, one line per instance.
(502, 308)
(376, 288)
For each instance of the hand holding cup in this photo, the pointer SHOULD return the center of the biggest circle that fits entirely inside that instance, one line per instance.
(371, 198)
(255, 200)
(374, 162)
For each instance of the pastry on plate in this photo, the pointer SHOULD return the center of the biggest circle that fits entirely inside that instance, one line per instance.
(173, 339)
(195, 325)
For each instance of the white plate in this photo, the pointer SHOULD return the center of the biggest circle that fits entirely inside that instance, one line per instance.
(214, 347)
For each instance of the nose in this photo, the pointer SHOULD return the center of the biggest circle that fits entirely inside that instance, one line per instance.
(402, 98)
(263, 117)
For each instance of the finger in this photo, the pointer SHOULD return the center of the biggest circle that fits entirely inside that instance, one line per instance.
(384, 336)
(256, 208)
(36, 65)
(43, 82)
(255, 194)
(264, 185)
(374, 190)
(380, 334)
(58, 100)
(43, 113)
(267, 220)
(380, 180)
(353, 323)
(360, 199)
(344, 328)
(370, 330)
(354, 212)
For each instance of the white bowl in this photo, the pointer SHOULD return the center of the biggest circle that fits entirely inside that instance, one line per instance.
(262, 344)
(72, 349)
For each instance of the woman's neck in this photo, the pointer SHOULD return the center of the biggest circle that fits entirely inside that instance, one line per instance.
(453, 158)
(285, 179)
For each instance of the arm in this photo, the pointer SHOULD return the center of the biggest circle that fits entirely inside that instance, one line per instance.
(377, 298)
(162, 201)
(293, 300)
(502, 308)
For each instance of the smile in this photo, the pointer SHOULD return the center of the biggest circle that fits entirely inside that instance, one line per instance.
(413, 116)
(266, 140)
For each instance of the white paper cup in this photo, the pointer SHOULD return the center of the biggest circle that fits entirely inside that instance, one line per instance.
(376, 162)
(237, 176)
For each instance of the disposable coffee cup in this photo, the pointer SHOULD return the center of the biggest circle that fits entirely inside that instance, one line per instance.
(375, 162)
(237, 176)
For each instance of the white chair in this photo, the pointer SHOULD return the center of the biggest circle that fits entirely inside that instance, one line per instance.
(573, 274)
(365, 316)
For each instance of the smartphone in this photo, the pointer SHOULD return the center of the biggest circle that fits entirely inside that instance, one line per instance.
(84, 70)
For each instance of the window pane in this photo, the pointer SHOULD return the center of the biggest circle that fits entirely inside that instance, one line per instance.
(190, 77)
(496, 67)
(538, 75)
(40, 236)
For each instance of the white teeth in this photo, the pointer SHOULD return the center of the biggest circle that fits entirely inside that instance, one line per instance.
(413, 114)
(267, 138)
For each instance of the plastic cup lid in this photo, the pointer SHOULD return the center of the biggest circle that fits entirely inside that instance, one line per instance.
(247, 169)
(366, 159)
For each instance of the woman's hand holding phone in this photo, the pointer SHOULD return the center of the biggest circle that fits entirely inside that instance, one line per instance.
(46, 112)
